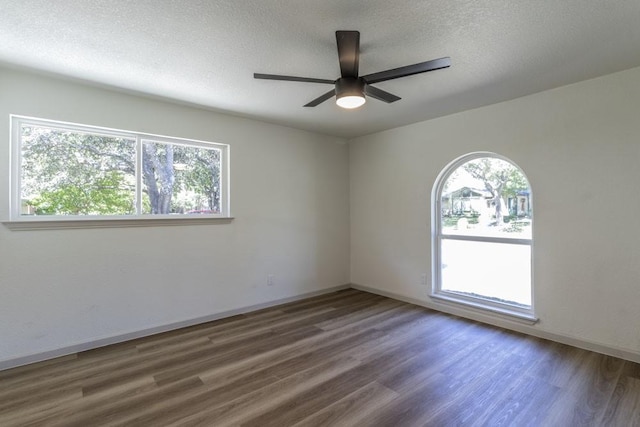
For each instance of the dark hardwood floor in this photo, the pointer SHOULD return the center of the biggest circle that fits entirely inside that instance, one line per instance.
(348, 358)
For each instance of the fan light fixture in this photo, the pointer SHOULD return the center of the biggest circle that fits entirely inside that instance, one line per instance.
(350, 92)
(350, 102)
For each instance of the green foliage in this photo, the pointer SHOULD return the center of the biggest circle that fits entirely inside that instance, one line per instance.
(514, 227)
(73, 173)
(452, 221)
(105, 196)
(52, 158)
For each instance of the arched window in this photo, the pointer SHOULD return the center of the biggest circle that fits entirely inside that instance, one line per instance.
(482, 235)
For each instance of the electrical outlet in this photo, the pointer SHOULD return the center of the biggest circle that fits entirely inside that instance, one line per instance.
(269, 279)
(423, 279)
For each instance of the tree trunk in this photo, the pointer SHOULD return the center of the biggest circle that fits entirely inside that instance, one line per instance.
(499, 204)
(159, 178)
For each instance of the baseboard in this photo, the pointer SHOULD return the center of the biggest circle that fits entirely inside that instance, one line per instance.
(115, 339)
(506, 323)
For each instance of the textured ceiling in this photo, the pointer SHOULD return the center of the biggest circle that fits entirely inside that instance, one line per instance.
(205, 52)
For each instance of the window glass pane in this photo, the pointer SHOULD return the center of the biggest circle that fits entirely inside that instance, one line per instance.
(67, 172)
(496, 271)
(487, 197)
(180, 179)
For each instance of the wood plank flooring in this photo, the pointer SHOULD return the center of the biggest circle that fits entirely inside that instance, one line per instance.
(347, 358)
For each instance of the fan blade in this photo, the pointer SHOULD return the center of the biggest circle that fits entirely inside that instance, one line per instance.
(380, 94)
(409, 70)
(348, 52)
(321, 99)
(291, 78)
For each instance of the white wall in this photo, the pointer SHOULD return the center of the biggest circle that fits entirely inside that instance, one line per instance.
(289, 197)
(580, 148)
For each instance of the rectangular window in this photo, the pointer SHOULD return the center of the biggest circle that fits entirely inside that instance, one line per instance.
(69, 171)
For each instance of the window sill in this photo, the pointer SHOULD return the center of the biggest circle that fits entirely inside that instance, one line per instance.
(504, 311)
(58, 224)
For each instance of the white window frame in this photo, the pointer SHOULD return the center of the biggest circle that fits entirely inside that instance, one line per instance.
(437, 236)
(18, 221)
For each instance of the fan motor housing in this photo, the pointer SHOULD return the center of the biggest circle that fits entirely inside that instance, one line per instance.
(349, 86)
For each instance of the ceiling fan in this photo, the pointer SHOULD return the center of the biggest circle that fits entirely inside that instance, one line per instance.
(350, 89)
